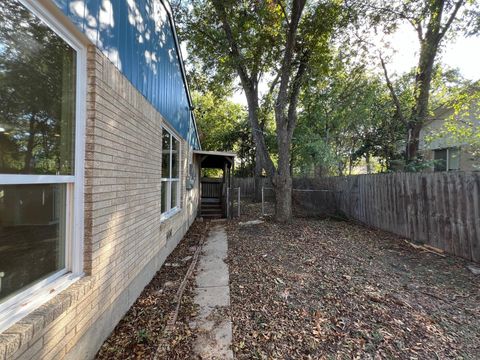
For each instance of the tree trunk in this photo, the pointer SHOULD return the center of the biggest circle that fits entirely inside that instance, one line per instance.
(423, 78)
(285, 118)
(367, 161)
(257, 196)
(423, 81)
(282, 181)
(283, 197)
(261, 152)
(413, 142)
(318, 171)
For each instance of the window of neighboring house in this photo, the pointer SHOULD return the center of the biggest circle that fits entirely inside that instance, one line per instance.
(170, 192)
(447, 159)
(40, 157)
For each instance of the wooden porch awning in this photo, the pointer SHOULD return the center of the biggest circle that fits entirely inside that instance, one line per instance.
(215, 159)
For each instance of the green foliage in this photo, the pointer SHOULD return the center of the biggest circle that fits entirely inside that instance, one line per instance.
(255, 40)
(218, 120)
(256, 25)
(346, 116)
(433, 22)
(446, 91)
(223, 126)
(461, 121)
(312, 155)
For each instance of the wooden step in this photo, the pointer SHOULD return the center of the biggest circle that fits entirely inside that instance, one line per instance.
(211, 201)
(212, 216)
(211, 205)
(212, 212)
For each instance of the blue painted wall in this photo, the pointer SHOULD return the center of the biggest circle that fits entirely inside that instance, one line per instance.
(137, 36)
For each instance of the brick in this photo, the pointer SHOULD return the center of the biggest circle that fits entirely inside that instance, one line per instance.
(59, 349)
(24, 330)
(32, 352)
(10, 343)
(123, 232)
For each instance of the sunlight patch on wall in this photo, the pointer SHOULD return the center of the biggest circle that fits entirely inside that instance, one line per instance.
(106, 15)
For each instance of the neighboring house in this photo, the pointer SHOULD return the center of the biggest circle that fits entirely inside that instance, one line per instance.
(99, 175)
(448, 153)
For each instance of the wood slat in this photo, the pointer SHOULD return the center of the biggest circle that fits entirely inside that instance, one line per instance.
(439, 209)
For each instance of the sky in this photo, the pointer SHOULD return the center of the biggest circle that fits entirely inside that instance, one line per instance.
(462, 53)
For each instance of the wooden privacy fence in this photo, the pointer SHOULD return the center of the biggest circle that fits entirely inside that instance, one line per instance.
(439, 209)
(247, 185)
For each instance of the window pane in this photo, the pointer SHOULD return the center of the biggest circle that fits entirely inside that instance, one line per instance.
(174, 200)
(175, 158)
(453, 159)
(32, 235)
(37, 95)
(164, 201)
(440, 163)
(165, 154)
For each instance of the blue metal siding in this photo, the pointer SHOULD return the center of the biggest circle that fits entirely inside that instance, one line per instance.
(137, 36)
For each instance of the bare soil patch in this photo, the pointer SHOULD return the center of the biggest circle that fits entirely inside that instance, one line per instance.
(333, 289)
(141, 331)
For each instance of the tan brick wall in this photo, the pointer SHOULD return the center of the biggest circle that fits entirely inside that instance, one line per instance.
(125, 241)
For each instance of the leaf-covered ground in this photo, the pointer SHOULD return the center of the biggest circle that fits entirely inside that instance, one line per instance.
(141, 331)
(333, 289)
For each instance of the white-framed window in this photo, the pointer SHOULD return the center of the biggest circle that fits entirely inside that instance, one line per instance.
(447, 159)
(170, 191)
(42, 127)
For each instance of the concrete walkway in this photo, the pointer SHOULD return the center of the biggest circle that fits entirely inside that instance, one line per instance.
(213, 298)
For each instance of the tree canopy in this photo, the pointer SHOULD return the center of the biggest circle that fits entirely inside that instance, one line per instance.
(314, 79)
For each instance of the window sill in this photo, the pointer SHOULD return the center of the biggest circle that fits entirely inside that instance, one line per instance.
(30, 327)
(169, 214)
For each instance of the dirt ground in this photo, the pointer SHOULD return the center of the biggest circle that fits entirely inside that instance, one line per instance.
(141, 331)
(333, 289)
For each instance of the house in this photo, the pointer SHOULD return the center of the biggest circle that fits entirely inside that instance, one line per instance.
(99, 167)
(449, 152)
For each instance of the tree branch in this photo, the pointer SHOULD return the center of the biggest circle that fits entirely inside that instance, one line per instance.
(452, 17)
(280, 3)
(295, 92)
(392, 93)
(273, 84)
(250, 86)
(286, 68)
(419, 30)
(400, 14)
(238, 58)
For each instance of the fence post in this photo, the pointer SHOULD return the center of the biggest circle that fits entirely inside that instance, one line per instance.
(263, 213)
(238, 202)
(228, 203)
